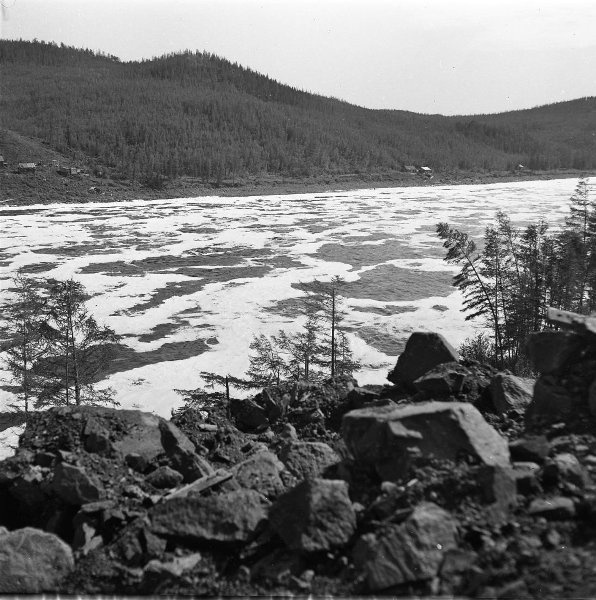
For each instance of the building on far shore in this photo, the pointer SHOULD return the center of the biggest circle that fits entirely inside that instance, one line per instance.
(27, 167)
(2, 161)
(426, 171)
(68, 171)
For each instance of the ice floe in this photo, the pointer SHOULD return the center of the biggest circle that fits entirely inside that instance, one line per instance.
(219, 269)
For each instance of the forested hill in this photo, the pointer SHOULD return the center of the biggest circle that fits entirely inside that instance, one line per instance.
(199, 115)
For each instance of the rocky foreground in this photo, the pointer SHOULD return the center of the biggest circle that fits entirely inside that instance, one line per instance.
(455, 479)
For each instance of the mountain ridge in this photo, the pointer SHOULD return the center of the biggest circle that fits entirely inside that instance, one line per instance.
(200, 116)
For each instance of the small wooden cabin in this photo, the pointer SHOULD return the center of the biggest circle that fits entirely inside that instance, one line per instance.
(68, 171)
(27, 167)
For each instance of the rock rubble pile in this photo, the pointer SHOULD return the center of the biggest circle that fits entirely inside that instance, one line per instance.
(455, 479)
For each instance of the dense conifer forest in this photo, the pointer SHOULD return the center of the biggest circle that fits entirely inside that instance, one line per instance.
(194, 114)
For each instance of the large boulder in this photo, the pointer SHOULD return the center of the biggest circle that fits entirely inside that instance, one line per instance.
(33, 561)
(387, 438)
(549, 351)
(552, 401)
(409, 552)
(230, 517)
(423, 352)
(315, 515)
(307, 459)
(509, 392)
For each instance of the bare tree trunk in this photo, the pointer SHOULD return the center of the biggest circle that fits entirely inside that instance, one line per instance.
(332, 333)
(67, 370)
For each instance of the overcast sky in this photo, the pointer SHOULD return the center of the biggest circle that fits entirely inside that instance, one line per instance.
(433, 56)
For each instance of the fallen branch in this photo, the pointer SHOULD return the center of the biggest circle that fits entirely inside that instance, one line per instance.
(200, 485)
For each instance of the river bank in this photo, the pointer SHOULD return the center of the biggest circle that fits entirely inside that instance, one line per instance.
(46, 186)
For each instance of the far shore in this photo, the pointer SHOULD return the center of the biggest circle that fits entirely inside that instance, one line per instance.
(45, 187)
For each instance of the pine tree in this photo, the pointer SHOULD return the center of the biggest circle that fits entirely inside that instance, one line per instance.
(302, 349)
(326, 301)
(479, 295)
(266, 365)
(79, 348)
(25, 315)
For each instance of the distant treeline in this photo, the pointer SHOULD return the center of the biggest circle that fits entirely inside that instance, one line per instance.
(196, 114)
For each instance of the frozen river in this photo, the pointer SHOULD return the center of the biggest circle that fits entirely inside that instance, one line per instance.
(188, 282)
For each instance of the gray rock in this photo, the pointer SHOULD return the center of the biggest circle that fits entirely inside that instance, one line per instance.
(274, 407)
(526, 478)
(97, 438)
(509, 392)
(174, 568)
(288, 433)
(91, 520)
(28, 488)
(423, 352)
(248, 415)
(592, 398)
(530, 449)
(230, 517)
(446, 379)
(387, 438)
(261, 472)
(359, 397)
(315, 515)
(136, 462)
(33, 561)
(164, 477)
(557, 508)
(181, 453)
(277, 566)
(564, 467)
(135, 545)
(410, 552)
(45, 459)
(75, 486)
(550, 350)
(551, 401)
(307, 459)
(498, 486)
